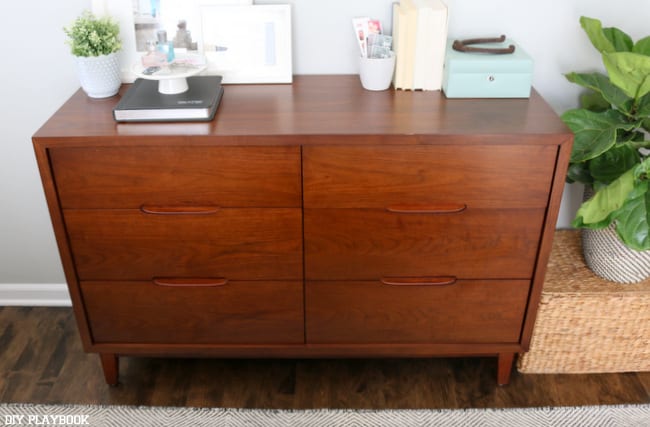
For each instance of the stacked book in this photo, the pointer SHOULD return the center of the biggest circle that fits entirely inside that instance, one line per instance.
(419, 40)
(143, 102)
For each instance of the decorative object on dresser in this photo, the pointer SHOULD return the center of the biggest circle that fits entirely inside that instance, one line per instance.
(420, 36)
(611, 156)
(294, 226)
(587, 324)
(95, 42)
(143, 101)
(248, 44)
(487, 68)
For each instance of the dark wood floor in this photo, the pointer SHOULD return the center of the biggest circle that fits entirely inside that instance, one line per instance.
(41, 361)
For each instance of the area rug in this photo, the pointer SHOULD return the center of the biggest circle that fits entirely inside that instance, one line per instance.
(100, 416)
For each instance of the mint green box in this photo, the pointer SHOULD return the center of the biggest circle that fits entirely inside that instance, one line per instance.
(482, 75)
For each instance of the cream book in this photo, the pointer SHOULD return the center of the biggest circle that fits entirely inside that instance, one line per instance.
(399, 40)
(431, 42)
(410, 23)
(420, 40)
(404, 28)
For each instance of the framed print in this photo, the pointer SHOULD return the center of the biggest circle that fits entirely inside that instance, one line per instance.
(141, 20)
(248, 44)
(179, 20)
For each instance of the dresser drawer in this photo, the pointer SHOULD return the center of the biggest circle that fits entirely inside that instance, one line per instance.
(234, 313)
(468, 311)
(379, 177)
(129, 177)
(238, 244)
(366, 244)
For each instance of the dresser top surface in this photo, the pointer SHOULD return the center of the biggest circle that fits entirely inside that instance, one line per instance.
(319, 106)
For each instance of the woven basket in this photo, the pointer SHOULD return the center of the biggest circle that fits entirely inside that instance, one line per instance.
(586, 324)
(609, 258)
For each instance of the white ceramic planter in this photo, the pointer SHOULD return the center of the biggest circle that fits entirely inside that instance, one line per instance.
(609, 258)
(99, 75)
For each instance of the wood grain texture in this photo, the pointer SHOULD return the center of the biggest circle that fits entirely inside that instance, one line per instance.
(645, 380)
(504, 367)
(372, 312)
(127, 204)
(60, 233)
(110, 367)
(238, 312)
(43, 362)
(309, 351)
(315, 108)
(122, 178)
(366, 244)
(546, 243)
(236, 244)
(381, 176)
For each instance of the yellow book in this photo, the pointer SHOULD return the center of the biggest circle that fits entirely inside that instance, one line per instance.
(409, 25)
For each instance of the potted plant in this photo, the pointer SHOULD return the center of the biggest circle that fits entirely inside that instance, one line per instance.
(610, 154)
(94, 43)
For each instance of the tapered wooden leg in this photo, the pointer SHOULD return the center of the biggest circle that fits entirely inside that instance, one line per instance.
(505, 367)
(110, 365)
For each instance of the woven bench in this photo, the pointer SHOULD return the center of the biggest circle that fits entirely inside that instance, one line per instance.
(586, 324)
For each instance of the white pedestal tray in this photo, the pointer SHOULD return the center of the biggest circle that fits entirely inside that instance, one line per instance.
(172, 79)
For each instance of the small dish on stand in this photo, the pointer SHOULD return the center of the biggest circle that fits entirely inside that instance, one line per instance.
(172, 78)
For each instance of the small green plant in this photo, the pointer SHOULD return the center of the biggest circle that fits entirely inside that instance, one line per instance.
(92, 36)
(610, 151)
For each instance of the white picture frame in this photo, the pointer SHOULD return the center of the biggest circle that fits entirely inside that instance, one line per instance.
(168, 15)
(124, 11)
(248, 44)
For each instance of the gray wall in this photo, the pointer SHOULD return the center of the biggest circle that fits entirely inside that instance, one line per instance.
(38, 76)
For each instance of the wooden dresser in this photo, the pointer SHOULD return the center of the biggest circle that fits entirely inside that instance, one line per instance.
(307, 220)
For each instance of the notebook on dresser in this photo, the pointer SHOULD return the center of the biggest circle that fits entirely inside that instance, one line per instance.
(143, 103)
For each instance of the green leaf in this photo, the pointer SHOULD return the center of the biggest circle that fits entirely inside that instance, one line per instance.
(601, 84)
(594, 101)
(92, 36)
(599, 211)
(579, 172)
(642, 46)
(630, 72)
(646, 124)
(642, 171)
(594, 30)
(633, 219)
(630, 139)
(621, 41)
(643, 106)
(594, 133)
(613, 163)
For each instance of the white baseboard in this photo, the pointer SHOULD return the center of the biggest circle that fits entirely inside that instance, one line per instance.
(28, 294)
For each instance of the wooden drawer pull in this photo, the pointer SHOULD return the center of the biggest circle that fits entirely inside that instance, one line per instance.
(179, 210)
(190, 283)
(446, 208)
(418, 281)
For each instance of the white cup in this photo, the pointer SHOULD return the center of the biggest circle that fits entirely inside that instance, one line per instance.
(376, 73)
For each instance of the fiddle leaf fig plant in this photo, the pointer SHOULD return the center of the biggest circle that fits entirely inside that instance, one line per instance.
(611, 150)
